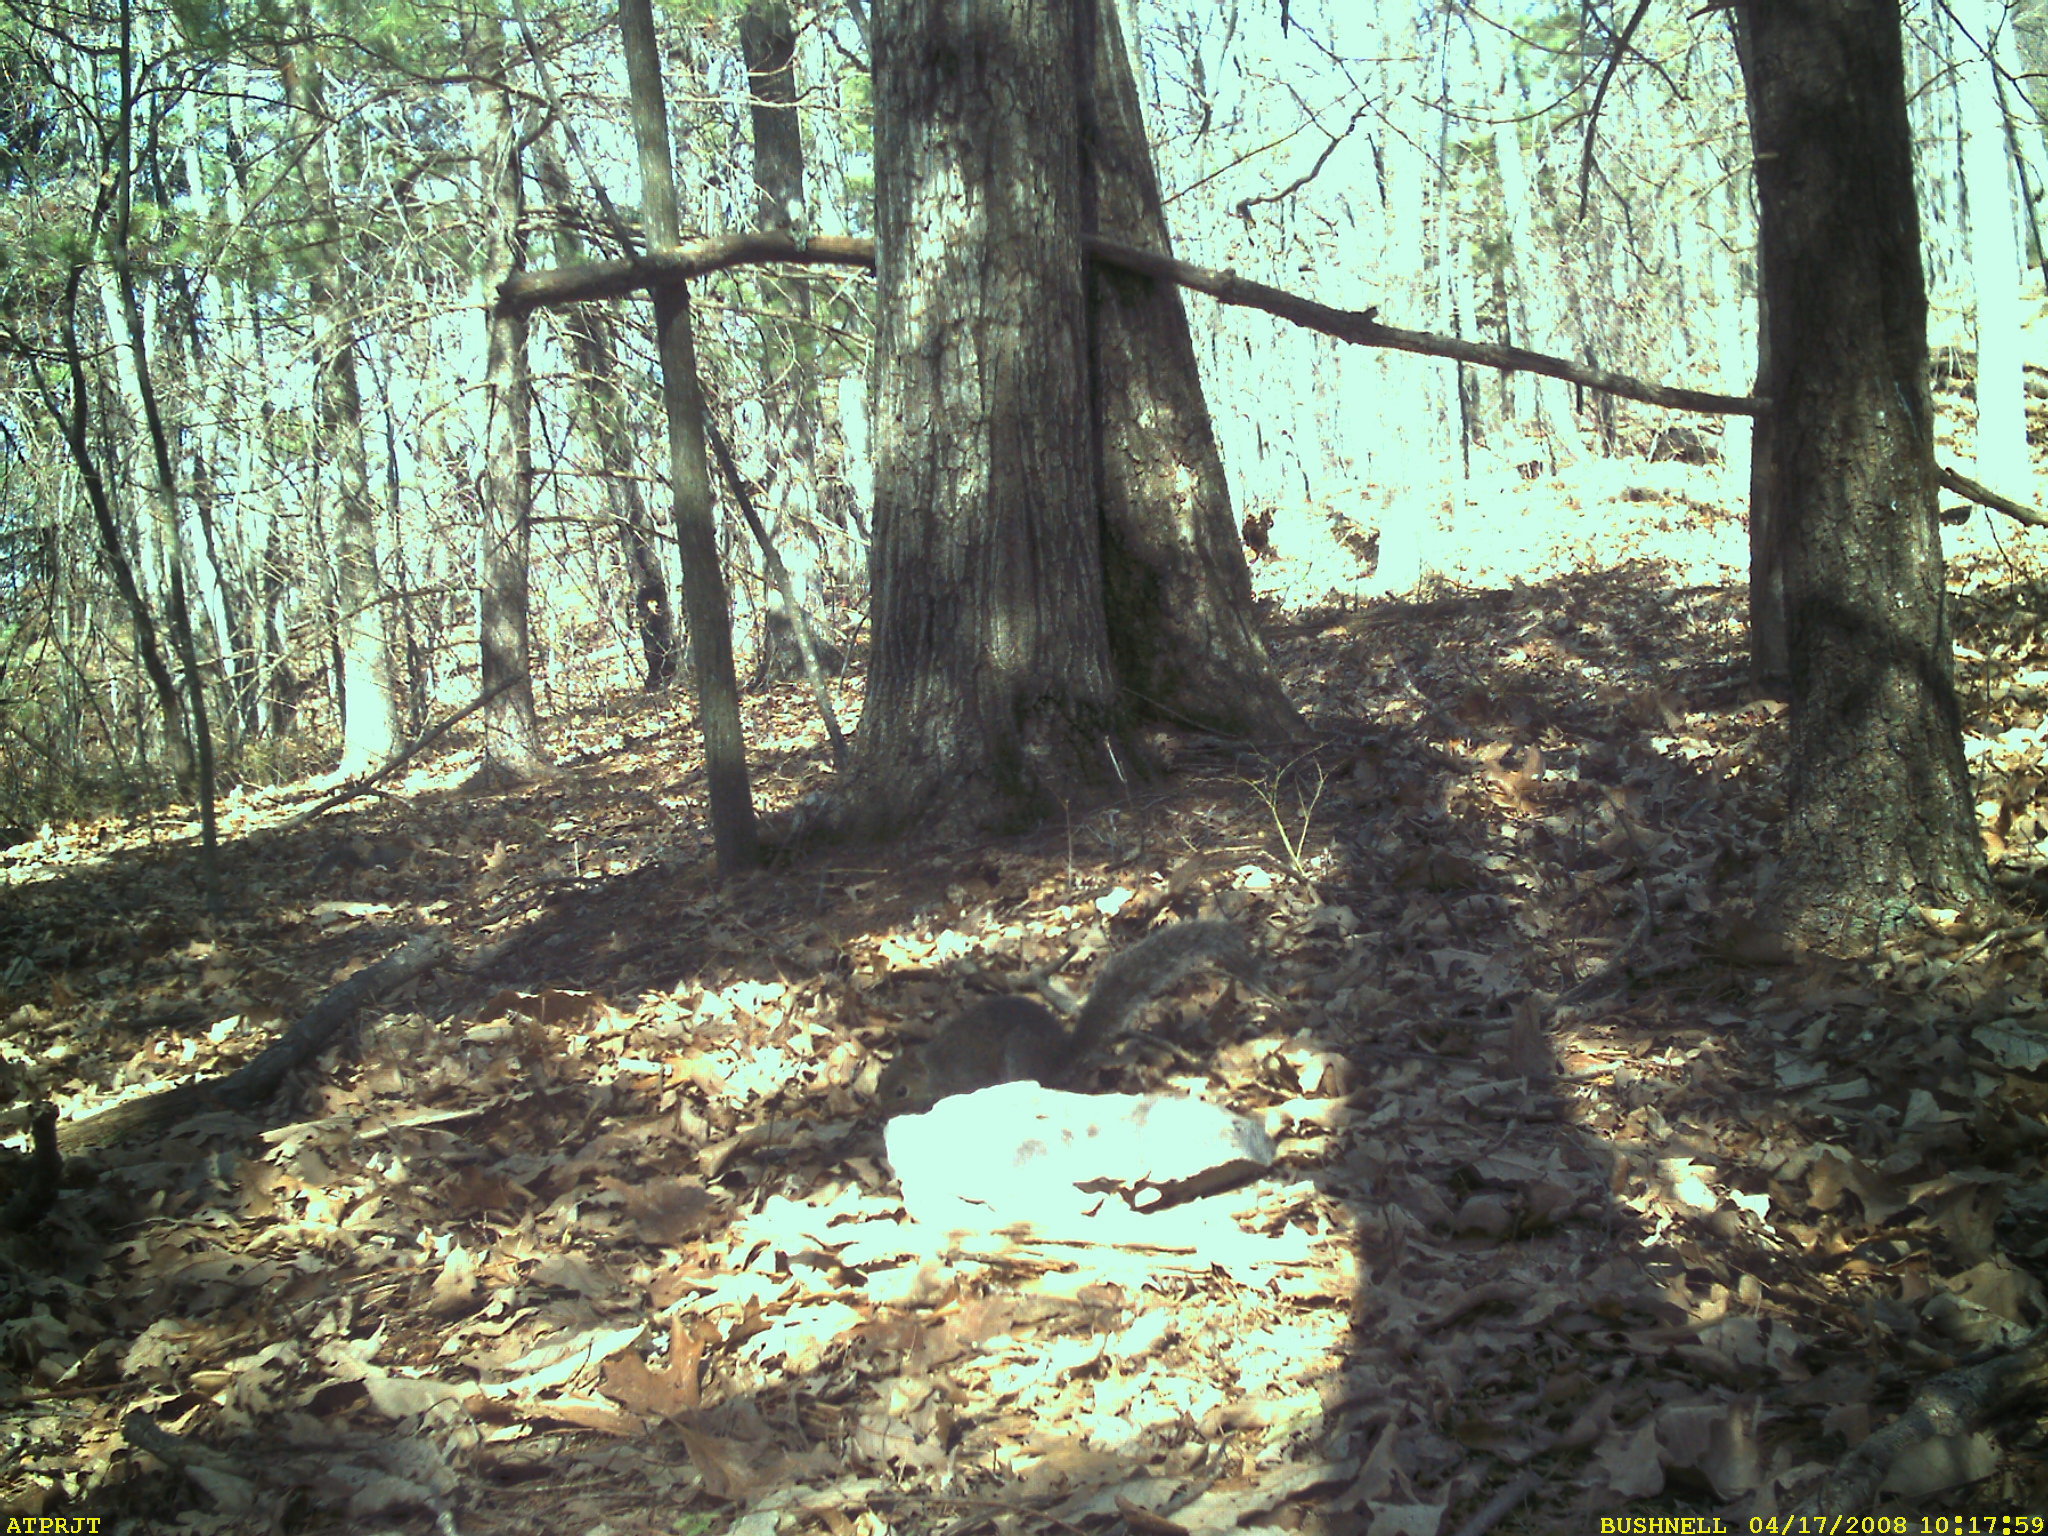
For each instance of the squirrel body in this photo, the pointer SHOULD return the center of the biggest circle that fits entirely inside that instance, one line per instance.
(1019, 1039)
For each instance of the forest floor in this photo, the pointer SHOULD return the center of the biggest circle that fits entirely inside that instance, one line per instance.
(1589, 1198)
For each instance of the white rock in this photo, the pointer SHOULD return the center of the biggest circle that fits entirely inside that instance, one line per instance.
(1020, 1153)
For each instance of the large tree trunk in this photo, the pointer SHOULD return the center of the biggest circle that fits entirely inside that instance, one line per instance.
(1181, 624)
(511, 730)
(369, 690)
(990, 682)
(592, 342)
(705, 605)
(1879, 815)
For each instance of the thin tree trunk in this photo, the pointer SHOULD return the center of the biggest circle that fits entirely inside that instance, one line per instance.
(210, 303)
(1879, 813)
(160, 486)
(778, 574)
(512, 750)
(75, 423)
(789, 389)
(591, 333)
(369, 701)
(252, 386)
(2002, 460)
(705, 605)
(1769, 665)
(186, 342)
(1529, 290)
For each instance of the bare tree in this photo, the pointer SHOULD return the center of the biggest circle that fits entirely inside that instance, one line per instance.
(789, 383)
(990, 682)
(511, 730)
(370, 709)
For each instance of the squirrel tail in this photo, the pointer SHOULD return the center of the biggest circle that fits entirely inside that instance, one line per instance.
(1134, 977)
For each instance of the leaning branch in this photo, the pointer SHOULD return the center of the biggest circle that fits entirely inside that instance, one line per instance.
(524, 292)
(1360, 328)
(356, 787)
(1969, 489)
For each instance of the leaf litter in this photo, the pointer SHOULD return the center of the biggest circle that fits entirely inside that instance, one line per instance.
(1592, 1198)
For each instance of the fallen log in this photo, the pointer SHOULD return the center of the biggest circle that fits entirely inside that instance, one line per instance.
(252, 1084)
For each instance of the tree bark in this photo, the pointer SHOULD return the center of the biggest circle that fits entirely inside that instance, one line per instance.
(989, 684)
(1879, 810)
(1182, 628)
(705, 604)
(512, 750)
(1769, 666)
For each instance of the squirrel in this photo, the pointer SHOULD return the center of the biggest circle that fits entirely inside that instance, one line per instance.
(1019, 1039)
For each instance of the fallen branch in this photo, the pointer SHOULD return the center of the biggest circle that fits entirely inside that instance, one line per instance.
(1361, 328)
(524, 292)
(1953, 1403)
(350, 791)
(250, 1085)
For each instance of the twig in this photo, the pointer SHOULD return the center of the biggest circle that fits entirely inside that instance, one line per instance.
(1497, 1508)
